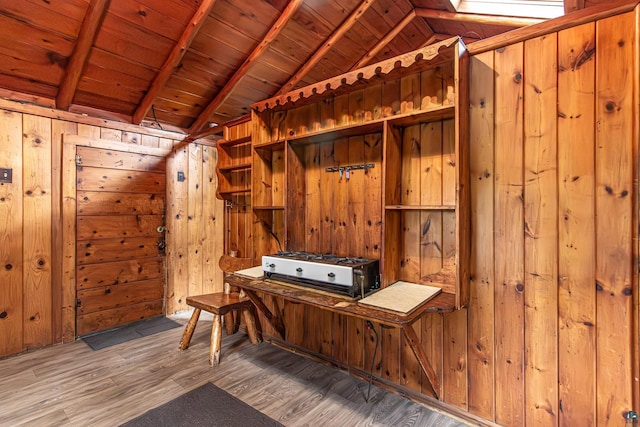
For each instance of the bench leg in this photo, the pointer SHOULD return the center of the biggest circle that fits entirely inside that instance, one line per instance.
(188, 330)
(229, 323)
(216, 340)
(250, 322)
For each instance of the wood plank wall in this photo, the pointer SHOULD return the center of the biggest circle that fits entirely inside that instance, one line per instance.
(31, 223)
(554, 143)
(550, 334)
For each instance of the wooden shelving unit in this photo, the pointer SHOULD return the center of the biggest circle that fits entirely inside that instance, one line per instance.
(376, 169)
(234, 184)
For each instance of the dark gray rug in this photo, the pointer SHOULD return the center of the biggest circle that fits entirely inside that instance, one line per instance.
(129, 332)
(206, 405)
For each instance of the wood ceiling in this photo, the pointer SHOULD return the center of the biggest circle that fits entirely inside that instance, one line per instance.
(183, 64)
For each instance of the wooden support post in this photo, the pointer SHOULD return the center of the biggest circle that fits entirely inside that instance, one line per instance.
(414, 344)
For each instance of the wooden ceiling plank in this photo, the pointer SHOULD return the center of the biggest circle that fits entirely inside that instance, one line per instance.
(384, 41)
(88, 32)
(224, 93)
(326, 46)
(173, 60)
(507, 21)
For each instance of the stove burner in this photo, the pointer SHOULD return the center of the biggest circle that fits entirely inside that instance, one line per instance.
(353, 276)
(332, 258)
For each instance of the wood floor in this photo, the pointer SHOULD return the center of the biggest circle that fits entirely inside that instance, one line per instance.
(71, 385)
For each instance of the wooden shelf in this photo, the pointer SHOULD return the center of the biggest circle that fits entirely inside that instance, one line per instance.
(270, 146)
(235, 168)
(238, 191)
(421, 207)
(233, 142)
(373, 126)
(268, 208)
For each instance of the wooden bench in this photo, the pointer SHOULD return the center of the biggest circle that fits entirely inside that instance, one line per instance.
(222, 305)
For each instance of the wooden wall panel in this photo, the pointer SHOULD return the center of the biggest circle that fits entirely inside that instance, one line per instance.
(509, 237)
(576, 231)
(12, 296)
(212, 223)
(36, 257)
(615, 140)
(480, 335)
(540, 231)
(194, 219)
(177, 229)
(37, 213)
(59, 128)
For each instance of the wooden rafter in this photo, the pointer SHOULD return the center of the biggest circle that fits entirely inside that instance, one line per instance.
(506, 21)
(224, 93)
(326, 46)
(384, 41)
(173, 61)
(77, 60)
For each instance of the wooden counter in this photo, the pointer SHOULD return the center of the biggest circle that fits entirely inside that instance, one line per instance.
(443, 302)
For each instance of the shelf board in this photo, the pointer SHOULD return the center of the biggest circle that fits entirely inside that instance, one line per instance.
(268, 208)
(420, 207)
(427, 116)
(233, 142)
(373, 126)
(270, 146)
(235, 168)
(236, 191)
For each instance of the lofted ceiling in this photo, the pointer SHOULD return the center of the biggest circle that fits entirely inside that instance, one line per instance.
(185, 64)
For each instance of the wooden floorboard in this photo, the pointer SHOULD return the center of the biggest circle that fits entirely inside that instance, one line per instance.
(72, 385)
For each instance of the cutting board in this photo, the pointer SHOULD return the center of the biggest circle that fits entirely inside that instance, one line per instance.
(401, 297)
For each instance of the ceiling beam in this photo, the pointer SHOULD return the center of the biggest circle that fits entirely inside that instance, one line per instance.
(173, 61)
(326, 46)
(472, 18)
(88, 31)
(224, 93)
(385, 40)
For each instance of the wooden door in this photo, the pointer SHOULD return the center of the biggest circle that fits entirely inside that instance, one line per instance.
(120, 271)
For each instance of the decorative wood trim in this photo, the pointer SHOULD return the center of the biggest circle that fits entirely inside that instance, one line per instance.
(88, 31)
(172, 62)
(326, 46)
(426, 54)
(583, 16)
(385, 40)
(52, 113)
(505, 21)
(224, 93)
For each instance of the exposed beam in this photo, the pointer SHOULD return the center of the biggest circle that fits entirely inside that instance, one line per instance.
(173, 61)
(384, 41)
(224, 93)
(506, 21)
(88, 31)
(326, 46)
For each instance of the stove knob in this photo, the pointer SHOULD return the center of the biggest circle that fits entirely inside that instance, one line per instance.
(299, 269)
(271, 265)
(331, 276)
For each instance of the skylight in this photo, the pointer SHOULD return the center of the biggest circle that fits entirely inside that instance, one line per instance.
(522, 8)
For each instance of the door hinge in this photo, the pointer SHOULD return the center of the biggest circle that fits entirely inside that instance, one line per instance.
(78, 303)
(78, 160)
